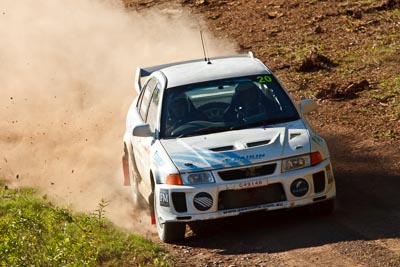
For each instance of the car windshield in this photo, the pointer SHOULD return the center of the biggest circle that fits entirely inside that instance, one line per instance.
(224, 105)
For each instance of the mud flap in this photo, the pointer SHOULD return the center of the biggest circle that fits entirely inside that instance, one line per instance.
(125, 167)
(152, 211)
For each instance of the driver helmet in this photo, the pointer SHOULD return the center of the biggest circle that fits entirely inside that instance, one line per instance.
(248, 94)
(179, 106)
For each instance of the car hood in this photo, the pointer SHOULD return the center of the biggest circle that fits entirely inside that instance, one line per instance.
(238, 147)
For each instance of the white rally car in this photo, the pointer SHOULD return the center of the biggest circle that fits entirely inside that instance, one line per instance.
(208, 139)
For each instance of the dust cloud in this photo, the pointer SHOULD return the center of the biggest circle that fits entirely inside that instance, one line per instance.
(66, 81)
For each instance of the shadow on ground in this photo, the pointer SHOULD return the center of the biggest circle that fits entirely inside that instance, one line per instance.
(368, 208)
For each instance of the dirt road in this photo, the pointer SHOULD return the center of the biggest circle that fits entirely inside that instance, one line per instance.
(358, 42)
(363, 231)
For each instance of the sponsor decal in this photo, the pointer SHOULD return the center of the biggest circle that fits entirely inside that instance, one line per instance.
(257, 207)
(158, 160)
(213, 160)
(164, 198)
(203, 201)
(251, 184)
(264, 79)
(246, 157)
(299, 187)
(316, 138)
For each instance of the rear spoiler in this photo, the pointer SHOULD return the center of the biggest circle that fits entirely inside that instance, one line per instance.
(145, 72)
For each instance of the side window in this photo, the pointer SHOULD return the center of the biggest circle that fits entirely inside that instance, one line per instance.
(152, 113)
(144, 99)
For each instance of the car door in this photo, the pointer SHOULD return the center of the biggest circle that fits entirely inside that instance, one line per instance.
(147, 107)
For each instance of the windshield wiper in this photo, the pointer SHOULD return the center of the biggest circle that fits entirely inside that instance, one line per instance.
(207, 130)
(216, 129)
(263, 122)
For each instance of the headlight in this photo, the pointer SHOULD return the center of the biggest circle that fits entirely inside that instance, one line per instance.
(198, 178)
(300, 162)
(295, 163)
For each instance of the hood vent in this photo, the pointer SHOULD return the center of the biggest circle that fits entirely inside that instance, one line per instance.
(294, 135)
(222, 148)
(258, 143)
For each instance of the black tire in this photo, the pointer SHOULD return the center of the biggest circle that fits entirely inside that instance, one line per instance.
(137, 198)
(169, 231)
(324, 208)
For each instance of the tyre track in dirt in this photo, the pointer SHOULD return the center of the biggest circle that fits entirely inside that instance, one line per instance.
(363, 231)
(365, 228)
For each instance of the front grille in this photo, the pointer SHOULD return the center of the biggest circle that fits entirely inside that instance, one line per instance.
(179, 201)
(233, 199)
(319, 181)
(248, 172)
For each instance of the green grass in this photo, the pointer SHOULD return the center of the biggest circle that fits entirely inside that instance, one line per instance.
(33, 232)
(391, 95)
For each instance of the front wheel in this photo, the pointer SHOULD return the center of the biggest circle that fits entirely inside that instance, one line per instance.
(168, 231)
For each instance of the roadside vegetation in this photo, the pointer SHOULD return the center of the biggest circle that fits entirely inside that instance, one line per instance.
(34, 232)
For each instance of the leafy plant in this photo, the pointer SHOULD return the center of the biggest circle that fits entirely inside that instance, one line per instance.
(35, 233)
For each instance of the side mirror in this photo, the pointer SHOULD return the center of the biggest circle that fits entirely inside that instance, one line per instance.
(142, 130)
(307, 105)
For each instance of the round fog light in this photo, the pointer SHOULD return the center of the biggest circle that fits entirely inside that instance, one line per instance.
(299, 187)
(203, 201)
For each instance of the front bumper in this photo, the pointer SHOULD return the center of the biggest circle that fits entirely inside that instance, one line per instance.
(231, 198)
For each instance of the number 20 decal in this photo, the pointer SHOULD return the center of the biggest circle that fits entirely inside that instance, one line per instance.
(264, 79)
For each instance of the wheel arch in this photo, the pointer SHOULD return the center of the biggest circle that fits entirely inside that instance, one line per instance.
(127, 142)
